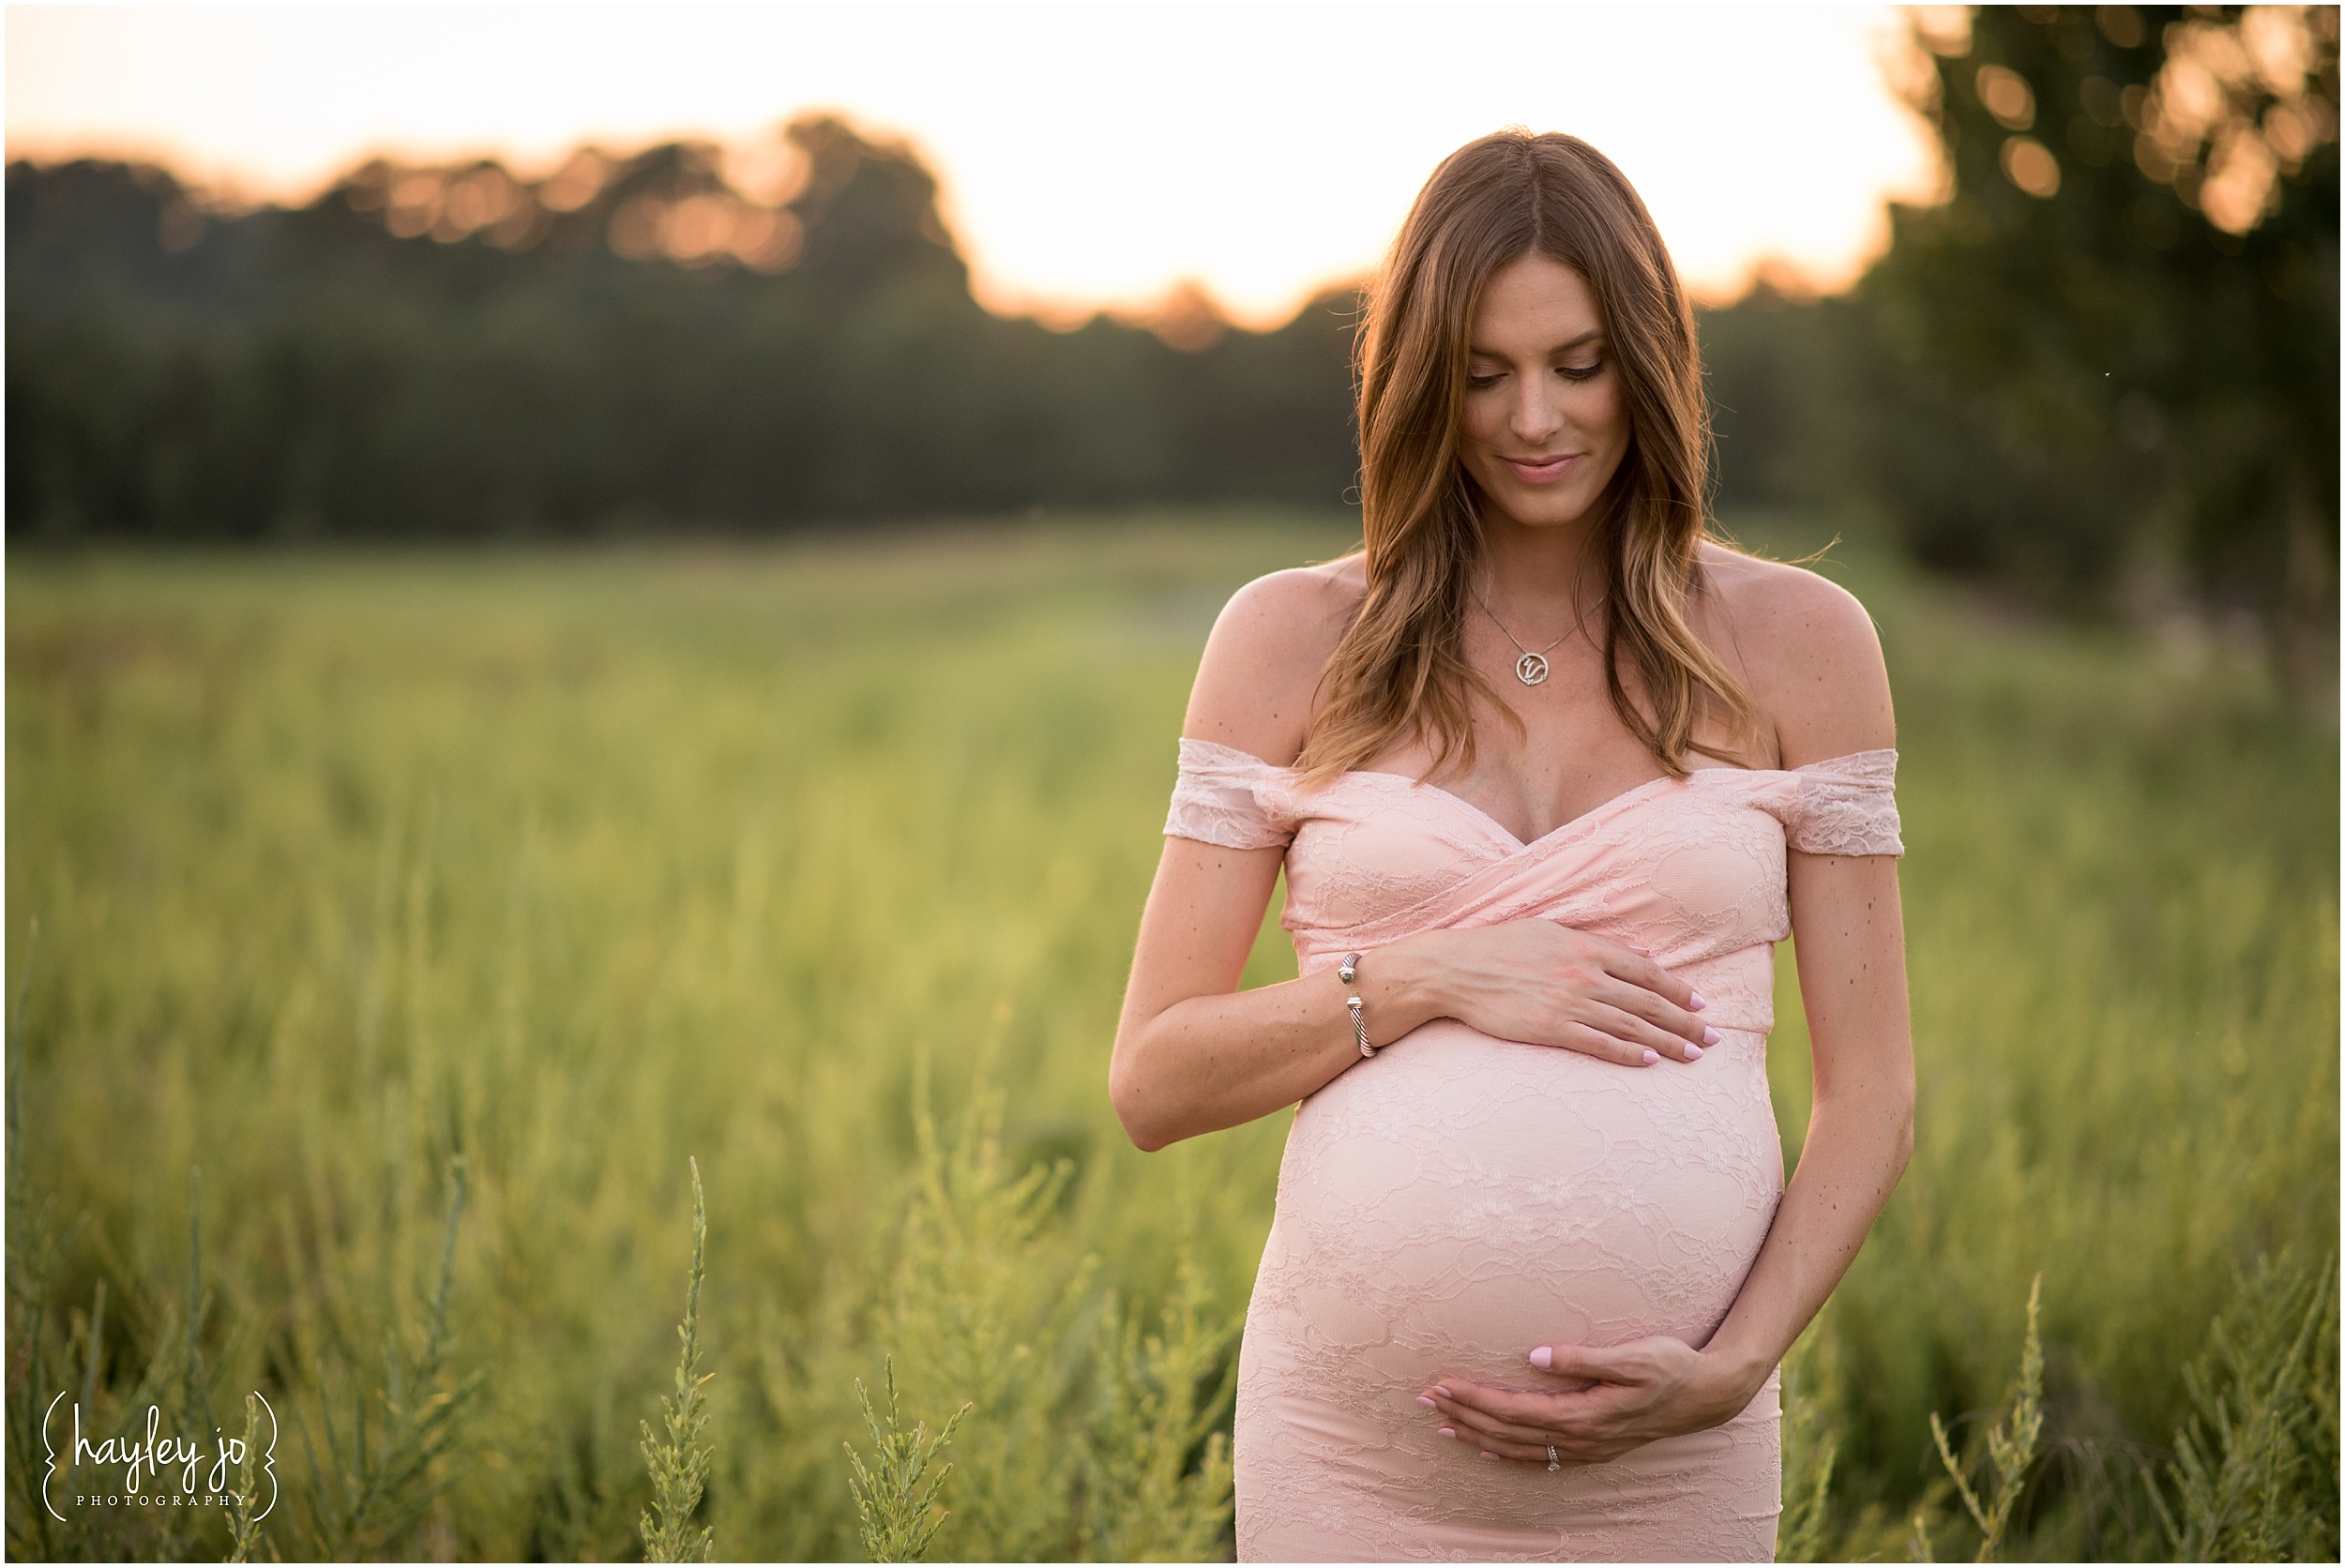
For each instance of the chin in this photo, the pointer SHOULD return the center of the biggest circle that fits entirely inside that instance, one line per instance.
(1542, 508)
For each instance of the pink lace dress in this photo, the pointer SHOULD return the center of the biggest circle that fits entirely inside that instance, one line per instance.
(1458, 1200)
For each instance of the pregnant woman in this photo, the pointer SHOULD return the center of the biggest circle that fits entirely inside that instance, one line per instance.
(1550, 772)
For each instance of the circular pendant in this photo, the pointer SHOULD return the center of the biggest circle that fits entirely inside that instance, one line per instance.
(1531, 668)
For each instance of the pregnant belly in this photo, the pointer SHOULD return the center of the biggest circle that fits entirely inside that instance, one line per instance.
(1458, 1199)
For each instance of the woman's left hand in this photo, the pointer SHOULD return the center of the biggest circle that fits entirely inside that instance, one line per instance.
(1623, 1396)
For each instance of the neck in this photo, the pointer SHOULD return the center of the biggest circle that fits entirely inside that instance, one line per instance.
(1554, 572)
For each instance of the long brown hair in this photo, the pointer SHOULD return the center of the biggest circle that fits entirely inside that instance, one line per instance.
(1400, 668)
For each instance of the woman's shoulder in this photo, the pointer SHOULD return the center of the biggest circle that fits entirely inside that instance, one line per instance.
(1807, 650)
(1258, 679)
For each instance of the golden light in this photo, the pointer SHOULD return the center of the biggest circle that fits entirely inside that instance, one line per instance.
(2203, 100)
(699, 228)
(768, 240)
(2030, 165)
(2288, 130)
(1091, 155)
(2242, 179)
(2007, 97)
(415, 204)
(579, 181)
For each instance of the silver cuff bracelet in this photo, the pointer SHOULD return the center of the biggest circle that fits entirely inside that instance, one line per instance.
(1348, 972)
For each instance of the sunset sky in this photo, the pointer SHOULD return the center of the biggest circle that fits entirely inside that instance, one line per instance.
(1091, 154)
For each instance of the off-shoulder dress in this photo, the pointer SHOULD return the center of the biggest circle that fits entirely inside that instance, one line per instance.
(1457, 1198)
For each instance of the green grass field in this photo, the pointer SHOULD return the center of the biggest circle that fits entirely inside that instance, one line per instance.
(359, 878)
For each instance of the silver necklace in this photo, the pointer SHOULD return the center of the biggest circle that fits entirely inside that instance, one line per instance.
(1531, 668)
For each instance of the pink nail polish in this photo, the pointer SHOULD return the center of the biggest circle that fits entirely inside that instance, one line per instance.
(1711, 1036)
(1693, 1052)
(1488, 1454)
(1543, 1357)
(1443, 1392)
(1449, 1432)
(1651, 1056)
(1426, 1403)
(1696, 1004)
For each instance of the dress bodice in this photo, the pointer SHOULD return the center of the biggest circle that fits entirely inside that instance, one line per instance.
(1691, 868)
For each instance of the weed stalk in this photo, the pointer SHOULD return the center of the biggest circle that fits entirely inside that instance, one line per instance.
(677, 1460)
(2010, 1449)
(244, 1530)
(896, 1500)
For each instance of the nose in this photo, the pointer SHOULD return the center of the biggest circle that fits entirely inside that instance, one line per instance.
(1535, 416)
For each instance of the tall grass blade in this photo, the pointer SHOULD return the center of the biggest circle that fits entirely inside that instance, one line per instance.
(2255, 1470)
(1810, 1451)
(2011, 1445)
(243, 1527)
(676, 1458)
(897, 1495)
(368, 1496)
(1159, 1478)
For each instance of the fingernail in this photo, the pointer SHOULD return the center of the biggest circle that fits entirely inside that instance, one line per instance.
(1711, 1036)
(1449, 1432)
(1651, 1056)
(1693, 1052)
(1426, 1403)
(1488, 1454)
(1543, 1357)
(1443, 1392)
(1697, 1003)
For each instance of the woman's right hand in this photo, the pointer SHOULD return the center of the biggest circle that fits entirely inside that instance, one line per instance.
(1548, 985)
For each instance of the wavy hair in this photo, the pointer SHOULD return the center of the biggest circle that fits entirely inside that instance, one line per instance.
(1400, 668)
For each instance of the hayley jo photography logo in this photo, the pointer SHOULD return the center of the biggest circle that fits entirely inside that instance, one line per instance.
(129, 1471)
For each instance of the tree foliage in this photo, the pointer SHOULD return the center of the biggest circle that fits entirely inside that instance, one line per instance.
(457, 352)
(2115, 347)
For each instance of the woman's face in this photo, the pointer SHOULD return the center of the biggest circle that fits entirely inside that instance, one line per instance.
(1546, 423)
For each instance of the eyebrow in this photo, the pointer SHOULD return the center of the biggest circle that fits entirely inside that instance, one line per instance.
(1581, 341)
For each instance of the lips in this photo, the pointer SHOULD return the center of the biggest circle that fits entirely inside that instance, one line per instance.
(1540, 471)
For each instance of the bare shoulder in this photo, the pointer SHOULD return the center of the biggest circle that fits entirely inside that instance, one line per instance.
(1807, 650)
(1259, 681)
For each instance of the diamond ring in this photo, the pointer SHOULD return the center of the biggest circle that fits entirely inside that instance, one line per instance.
(1553, 1462)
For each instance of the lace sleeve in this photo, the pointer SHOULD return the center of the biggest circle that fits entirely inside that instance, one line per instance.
(1227, 797)
(1848, 806)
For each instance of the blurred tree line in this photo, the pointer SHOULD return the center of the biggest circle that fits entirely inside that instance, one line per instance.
(2103, 371)
(459, 353)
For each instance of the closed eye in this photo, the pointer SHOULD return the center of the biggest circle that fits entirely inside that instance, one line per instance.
(1484, 380)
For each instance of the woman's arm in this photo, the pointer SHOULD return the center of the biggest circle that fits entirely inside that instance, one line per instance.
(1825, 684)
(1829, 697)
(1193, 1054)
(1850, 935)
